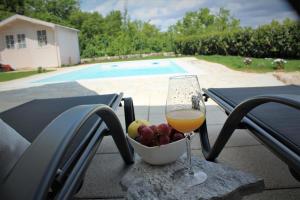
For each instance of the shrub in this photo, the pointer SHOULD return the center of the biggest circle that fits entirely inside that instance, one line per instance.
(279, 63)
(247, 61)
(273, 40)
(39, 70)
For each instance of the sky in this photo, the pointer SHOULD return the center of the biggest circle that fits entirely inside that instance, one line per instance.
(164, 13)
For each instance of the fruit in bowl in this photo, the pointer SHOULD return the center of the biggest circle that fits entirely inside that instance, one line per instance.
(133, 127)
(156, 145)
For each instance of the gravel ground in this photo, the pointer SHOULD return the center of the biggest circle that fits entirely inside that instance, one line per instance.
(288, 78)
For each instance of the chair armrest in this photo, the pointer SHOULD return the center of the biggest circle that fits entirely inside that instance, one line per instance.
(236, 116)
(33, 174)
(129, 111)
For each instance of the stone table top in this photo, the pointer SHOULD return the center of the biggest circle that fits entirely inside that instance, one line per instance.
(144, 181)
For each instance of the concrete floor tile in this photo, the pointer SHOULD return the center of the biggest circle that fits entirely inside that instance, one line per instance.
(142, 116)
(159, 97)
(138, 110)
(239, 137)
(281, 194)
(157, 119)
(122, 120)
(212, 106)
(103, 177)
(215, 116)
(157, 109)
(254, 159)
(107, 146)
(141, 110)
(281, 174)
(259, 161)
(120, 111)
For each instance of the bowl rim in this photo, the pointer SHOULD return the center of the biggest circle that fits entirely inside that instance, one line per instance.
(155, 147)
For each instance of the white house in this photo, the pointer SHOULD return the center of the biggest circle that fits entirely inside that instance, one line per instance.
(29, 43)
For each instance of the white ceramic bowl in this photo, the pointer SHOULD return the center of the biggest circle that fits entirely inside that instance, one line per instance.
(159, 155)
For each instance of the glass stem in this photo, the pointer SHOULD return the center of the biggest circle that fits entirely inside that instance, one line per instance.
(189, 154)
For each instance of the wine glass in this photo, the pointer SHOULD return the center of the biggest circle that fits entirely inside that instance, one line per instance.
(185, 112)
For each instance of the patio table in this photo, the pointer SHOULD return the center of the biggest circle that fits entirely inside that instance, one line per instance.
(144, 181)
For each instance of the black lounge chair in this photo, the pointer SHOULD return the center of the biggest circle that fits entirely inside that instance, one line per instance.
(272, 114)
(64, 134)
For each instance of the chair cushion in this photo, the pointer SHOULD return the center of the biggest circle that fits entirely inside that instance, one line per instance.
(29, 119)
(281, 121)
(12, 146)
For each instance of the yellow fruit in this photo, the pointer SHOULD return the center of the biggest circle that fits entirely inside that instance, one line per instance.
(133, 127)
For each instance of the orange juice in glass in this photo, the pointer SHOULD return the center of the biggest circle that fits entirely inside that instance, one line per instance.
(185, 120)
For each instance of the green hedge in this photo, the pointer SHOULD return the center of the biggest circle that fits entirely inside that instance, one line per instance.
(273, 40)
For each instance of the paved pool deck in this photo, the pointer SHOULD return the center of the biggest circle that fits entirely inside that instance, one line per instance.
(149, 94)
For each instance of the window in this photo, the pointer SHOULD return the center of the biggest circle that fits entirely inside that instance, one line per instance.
(10, 43)
(42, 37)
(21, 41)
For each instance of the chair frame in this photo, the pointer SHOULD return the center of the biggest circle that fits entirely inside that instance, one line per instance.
(237, 119)
(33, 181)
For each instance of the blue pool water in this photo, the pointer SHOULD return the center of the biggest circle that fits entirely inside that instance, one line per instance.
(120, 69)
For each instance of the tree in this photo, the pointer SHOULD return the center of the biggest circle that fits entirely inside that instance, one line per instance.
(9, 7)
(203, 21)
(113, 23)
(13, 6)
(62, 8)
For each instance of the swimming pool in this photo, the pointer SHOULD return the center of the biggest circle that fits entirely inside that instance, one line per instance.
(118, 69)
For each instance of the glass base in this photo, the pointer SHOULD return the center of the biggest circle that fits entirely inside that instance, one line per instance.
(187, 180)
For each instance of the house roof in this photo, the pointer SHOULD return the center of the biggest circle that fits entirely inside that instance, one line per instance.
(32, 20)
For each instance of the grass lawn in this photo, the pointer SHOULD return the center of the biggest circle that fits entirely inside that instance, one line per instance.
(7, 76)
(258, 64)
